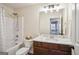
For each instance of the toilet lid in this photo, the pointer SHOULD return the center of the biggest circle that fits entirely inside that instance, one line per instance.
(22, 51)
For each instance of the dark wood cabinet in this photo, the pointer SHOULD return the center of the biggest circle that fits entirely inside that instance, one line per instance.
(42, 48)
(40, 51)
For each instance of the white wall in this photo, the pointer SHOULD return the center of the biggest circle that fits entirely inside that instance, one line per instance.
(70, 19)
(31, 20)
(77, 23)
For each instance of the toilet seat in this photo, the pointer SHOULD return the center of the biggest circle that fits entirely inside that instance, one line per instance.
(22, 51)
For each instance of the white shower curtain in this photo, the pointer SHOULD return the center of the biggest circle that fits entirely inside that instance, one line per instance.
(0, 33)
(8, 31)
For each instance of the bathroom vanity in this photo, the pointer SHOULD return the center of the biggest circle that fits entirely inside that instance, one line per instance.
(43, 48)
(51, 46)
(56, 28)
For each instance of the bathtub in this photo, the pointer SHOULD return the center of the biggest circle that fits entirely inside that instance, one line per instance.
(12, 50)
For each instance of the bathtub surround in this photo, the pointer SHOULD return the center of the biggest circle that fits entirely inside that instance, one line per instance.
(0, 34)
(8, 29)
(3, 25)
(12, 50)
(24, 50)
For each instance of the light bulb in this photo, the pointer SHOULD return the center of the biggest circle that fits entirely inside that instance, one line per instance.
(45, 10)
(60, 7)
(57, 10)
(51, 10)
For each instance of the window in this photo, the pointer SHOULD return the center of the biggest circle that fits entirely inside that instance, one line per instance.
(54, 26)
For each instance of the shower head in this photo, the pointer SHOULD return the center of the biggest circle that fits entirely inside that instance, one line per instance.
(15, 14)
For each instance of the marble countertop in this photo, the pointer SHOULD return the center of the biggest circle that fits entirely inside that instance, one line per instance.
(53, 39)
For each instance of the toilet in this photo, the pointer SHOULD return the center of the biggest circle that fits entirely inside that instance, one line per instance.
(22, 51)
(26, 49)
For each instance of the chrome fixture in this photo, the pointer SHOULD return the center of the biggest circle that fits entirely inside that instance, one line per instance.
(51, 8)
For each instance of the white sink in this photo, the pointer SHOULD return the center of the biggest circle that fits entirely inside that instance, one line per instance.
(54, 39)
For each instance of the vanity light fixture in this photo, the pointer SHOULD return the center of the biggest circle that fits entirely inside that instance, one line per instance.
(51, 8)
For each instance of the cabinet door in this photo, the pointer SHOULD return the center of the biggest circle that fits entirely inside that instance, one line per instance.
(37, 44)
(65, 48)
(40, 51)
(57, 52)
(54, 46)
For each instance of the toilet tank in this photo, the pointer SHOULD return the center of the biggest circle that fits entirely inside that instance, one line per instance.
(28, 43)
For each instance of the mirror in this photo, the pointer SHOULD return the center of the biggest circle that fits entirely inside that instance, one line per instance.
(56, 21)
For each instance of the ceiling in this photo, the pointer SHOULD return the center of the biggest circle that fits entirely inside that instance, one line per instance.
(23, 5)
(19, 5)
